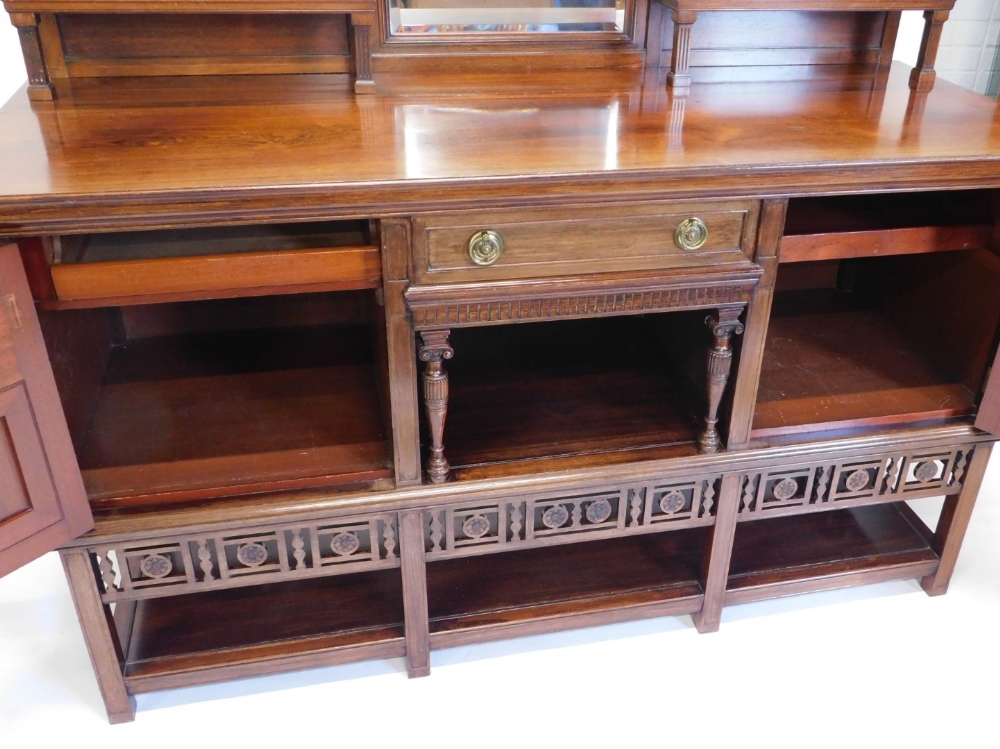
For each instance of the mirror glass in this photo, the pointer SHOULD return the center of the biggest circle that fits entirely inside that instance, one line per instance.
(418, 17)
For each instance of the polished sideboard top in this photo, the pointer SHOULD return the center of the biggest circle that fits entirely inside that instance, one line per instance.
(143, 153)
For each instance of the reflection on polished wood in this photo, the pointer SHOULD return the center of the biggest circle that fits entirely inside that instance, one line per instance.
(242, 390)
(322, 152)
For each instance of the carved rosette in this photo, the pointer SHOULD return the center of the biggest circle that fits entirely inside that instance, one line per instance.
(598, 511)
(858, 480)
(251, 554)
(555, 517)
(785, 489)
(672, 502)
(926, 472)
(476, 526)
(156, 566)
(724, 325)
(344, 544)
(434, 350)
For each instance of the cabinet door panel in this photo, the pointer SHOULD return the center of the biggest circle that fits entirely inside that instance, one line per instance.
(989, 410)
(42, 499)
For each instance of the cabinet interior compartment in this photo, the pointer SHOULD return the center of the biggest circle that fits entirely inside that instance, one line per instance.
(874, 341)
(330, 620)
(813, 551)
(601, 390)
(496, 592)
(193, 400)
(209, 262)
(835, 228)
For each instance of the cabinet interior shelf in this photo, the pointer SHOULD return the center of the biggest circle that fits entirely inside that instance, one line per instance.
(205, 263)
(181, 413)
(883, 225)
(479, 598)
(842, 353)
(818, 377)
(603, 393)
(262, 629)
(789, 555)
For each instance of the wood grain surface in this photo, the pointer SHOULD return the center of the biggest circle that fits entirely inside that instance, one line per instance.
(306, 147)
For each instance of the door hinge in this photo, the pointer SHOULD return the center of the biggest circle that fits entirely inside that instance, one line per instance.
(13, 313)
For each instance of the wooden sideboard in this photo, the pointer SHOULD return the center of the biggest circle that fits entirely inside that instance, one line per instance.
(295, 377)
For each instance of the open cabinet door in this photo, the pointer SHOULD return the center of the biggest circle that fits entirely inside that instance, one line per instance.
(42, 500)
(988, 418)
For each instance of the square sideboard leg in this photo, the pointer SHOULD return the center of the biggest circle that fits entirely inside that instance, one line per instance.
(100, 634)
(954, 522)
(411, 552)
(715, 567)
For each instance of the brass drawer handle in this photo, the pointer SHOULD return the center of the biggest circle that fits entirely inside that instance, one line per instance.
(691, 234)
(485, 247)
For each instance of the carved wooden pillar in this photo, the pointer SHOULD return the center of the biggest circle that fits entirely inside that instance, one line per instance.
(718, 554)
(434, 349)
(923, 75)
(720, 362)
(414, 570)
(100, 634)
(361, 52)
(954, 522)
(680, 55)
(39, 86)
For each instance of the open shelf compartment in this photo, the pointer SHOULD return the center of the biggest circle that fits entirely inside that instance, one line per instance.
(836, 228)
(479, 598)
(598, 390)
(213, 636)
(865, 343)
(825, 550)
(198, 400)
(212, 262)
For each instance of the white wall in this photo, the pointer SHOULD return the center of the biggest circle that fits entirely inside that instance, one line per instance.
(968, 43)
(12, 73)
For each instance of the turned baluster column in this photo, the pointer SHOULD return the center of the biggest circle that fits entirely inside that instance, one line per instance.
(724, 325)
(434, 349)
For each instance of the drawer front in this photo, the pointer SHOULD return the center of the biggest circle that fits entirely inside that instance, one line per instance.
(584, 240)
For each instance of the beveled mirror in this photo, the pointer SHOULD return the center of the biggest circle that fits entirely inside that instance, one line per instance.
(414, 18)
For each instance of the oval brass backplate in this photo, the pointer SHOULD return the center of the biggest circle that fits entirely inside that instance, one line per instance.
(485, 247)
(691, 234)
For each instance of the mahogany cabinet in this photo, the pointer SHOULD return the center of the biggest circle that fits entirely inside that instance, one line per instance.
(293, 377)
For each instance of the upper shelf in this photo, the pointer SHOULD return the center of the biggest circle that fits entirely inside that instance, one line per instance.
(189, 6)
(70, 39)
(883, 225)
(138, 267)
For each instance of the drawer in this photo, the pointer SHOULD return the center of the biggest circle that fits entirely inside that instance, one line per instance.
(584, 239)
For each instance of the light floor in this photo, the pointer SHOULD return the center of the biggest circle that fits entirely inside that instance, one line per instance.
(880, 666)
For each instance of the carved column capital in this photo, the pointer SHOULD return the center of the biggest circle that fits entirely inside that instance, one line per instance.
(434, 346)
(725, 323)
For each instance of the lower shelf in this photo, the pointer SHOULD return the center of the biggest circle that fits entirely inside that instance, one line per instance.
(820, 551)
(210, 414)
(264, 629)
(495, 596)
(817, 377)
